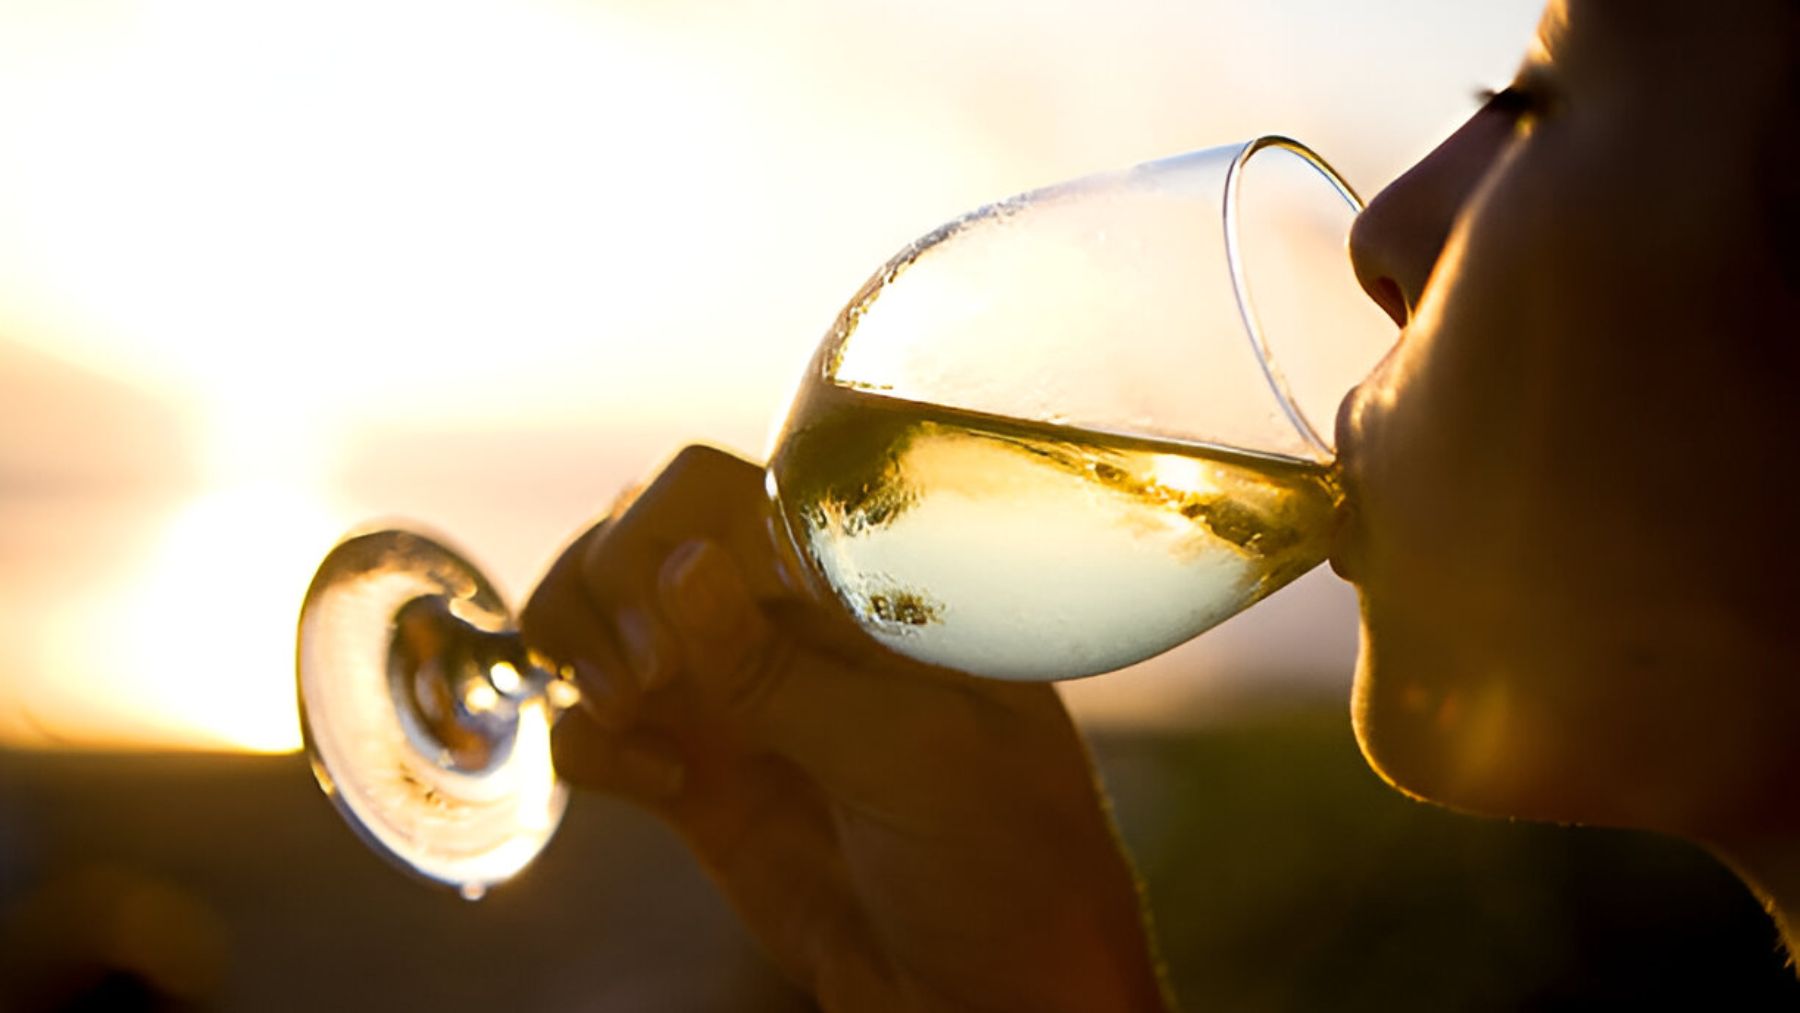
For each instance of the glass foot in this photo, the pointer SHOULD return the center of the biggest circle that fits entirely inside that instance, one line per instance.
(427, 724)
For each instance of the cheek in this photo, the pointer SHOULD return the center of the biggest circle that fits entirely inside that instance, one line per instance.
(1454, 508)
(1511, 466)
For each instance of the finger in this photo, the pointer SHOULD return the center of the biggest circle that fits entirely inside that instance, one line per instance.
(685, 571)
(727, 644)
(638, 764)
(646, 647)
(562, 623)
(700, 493)
(797, 702)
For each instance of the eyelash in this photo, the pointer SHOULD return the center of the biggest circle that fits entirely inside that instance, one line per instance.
(1511, 99)
(1514, 102)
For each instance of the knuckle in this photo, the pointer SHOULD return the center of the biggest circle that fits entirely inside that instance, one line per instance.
(757, 676)
(701, 455)
(698, 463)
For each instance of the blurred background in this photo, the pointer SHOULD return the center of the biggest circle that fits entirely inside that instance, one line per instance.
(271, 269)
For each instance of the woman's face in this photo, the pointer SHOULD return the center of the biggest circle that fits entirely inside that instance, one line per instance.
(1575, 520)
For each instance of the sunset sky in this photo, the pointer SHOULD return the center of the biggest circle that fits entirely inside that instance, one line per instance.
(269, 269)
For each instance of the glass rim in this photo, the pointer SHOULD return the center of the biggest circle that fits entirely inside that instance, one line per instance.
(1259, 342)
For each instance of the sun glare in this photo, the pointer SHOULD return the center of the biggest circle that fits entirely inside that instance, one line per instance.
(195, 648)
(305, 224)
(293, 220)
(1183, 475)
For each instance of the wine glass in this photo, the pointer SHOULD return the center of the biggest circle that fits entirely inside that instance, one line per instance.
(1056, 436)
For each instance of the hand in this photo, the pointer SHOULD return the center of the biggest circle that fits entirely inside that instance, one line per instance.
(897, 836)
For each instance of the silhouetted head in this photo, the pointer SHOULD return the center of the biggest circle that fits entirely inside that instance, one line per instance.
(1576, 527)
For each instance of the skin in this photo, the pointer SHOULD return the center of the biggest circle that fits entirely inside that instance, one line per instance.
(896, 836)
(1572, 536)
(1570, 525)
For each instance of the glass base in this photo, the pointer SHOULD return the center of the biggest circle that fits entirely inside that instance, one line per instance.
(426, 723)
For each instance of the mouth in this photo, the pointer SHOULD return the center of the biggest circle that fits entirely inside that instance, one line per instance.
(1346, 546)
(1346, 539)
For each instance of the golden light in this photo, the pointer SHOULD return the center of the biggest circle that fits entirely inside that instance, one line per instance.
(195, 646)
(289, 205)
(480, 698)
(562, 694)
(302, 227)
(298, 226)
(505, 678)
(1183, 475)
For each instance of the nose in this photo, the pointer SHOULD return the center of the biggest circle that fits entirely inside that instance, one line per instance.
(1396, 241)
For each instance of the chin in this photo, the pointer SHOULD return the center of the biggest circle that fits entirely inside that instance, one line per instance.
(1509, 732)
(1452, 729)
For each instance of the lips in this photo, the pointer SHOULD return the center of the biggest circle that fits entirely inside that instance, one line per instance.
(1346, 539)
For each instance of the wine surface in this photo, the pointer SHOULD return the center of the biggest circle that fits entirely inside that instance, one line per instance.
(1033, 551)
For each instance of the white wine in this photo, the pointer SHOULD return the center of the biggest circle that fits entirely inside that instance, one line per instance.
(1025, 550)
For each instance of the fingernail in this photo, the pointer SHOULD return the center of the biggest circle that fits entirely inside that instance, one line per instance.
(654, 773)
(638, 639)
(693, 587)
(598, 692)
